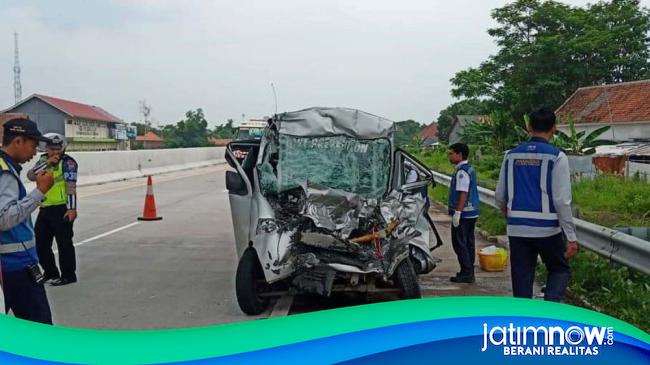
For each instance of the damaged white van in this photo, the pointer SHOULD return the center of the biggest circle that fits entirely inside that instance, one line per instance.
(321, 204)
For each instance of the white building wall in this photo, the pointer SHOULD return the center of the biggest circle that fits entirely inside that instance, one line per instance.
(618, 132)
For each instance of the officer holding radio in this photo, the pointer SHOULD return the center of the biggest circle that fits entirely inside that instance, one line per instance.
(58, 212)
(21, 277)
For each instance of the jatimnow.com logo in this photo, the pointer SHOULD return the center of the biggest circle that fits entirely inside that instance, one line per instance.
(547, 340)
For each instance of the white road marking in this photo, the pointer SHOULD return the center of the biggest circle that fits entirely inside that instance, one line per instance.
(106, 234)
(88, 240)
(136, 183)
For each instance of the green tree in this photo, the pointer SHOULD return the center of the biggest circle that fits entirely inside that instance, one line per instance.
(190, 132)
(406, 131)
(548, 49)
(143, 128)
(226, 130)
(463, 107)
(499, 131)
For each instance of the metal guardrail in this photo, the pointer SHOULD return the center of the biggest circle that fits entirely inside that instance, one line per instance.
(617, 246)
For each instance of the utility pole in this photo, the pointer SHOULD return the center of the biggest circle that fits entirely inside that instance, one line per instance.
(18, 89)
(275, 97)
(145, 109)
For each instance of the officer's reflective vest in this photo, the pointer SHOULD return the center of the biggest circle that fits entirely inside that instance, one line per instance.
(17, 249)
(472, 203)
(529, 182)
(57, 195)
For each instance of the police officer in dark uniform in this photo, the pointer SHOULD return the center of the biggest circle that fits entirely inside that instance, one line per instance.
(21, 278)
(58, 212)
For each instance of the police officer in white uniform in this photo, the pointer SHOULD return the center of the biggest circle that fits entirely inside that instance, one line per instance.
(534, 191)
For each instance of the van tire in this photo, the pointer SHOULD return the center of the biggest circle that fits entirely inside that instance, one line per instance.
(248, 286)
(407, 280)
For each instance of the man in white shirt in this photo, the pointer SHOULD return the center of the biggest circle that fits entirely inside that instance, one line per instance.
(463, 206)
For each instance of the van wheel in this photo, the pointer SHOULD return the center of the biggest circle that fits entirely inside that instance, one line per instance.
(407, 280)
(249, 283)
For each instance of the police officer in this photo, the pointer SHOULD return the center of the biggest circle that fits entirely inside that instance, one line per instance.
(534, 191)
(22, 281)
(58, 212)
(463, 205)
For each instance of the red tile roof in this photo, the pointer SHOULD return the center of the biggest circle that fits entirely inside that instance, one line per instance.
(149, 137)
(430, 131)
(615, 103)
(219, 141)
(9, 116)
(79, 110)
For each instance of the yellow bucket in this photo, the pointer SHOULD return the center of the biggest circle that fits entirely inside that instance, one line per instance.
(494, 262)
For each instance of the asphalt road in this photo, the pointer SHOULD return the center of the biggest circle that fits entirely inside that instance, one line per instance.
(179, 272)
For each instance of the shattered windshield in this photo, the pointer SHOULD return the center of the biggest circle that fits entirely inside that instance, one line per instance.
(340, 162)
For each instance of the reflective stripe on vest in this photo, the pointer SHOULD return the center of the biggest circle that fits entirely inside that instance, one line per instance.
(471, 208)
(529, 200)
(7, 248)
(57, 195)
(15, 257)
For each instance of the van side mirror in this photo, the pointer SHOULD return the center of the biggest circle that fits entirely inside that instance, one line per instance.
(235, 184)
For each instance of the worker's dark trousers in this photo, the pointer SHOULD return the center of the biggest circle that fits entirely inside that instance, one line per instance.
(26, 299)
(523, 259)
(462, 240)
(50, 224)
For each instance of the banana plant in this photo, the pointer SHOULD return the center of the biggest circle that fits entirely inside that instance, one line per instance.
(580, 143)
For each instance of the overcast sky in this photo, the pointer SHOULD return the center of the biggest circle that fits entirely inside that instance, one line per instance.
(391, 58)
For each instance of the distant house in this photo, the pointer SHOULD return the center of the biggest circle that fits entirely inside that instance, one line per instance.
(149, 141)
(429, 135)
(86, 127)
(457, 127)
(625, 107)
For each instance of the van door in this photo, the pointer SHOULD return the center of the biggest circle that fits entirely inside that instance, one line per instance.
(240, 190)
(403, 163)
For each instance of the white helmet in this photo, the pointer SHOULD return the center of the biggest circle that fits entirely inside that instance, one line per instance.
(57, 140)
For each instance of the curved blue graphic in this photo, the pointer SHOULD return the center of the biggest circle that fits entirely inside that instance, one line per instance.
(428, 331)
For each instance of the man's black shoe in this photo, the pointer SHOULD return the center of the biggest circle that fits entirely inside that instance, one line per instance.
(50, 278)
(63, 281)
(462, 279)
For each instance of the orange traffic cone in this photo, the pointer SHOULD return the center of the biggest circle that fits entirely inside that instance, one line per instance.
(149, 213)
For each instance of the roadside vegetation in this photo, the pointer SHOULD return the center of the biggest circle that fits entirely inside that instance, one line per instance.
(545, 51)
(628, 205)
(596, 282)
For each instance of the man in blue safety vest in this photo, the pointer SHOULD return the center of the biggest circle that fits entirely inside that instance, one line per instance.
(22, 280)
(534, 191)
(463, 207)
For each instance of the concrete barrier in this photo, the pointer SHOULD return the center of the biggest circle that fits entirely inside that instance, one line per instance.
(103, 167)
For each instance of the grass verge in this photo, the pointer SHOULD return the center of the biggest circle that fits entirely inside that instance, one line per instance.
(607, 287)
